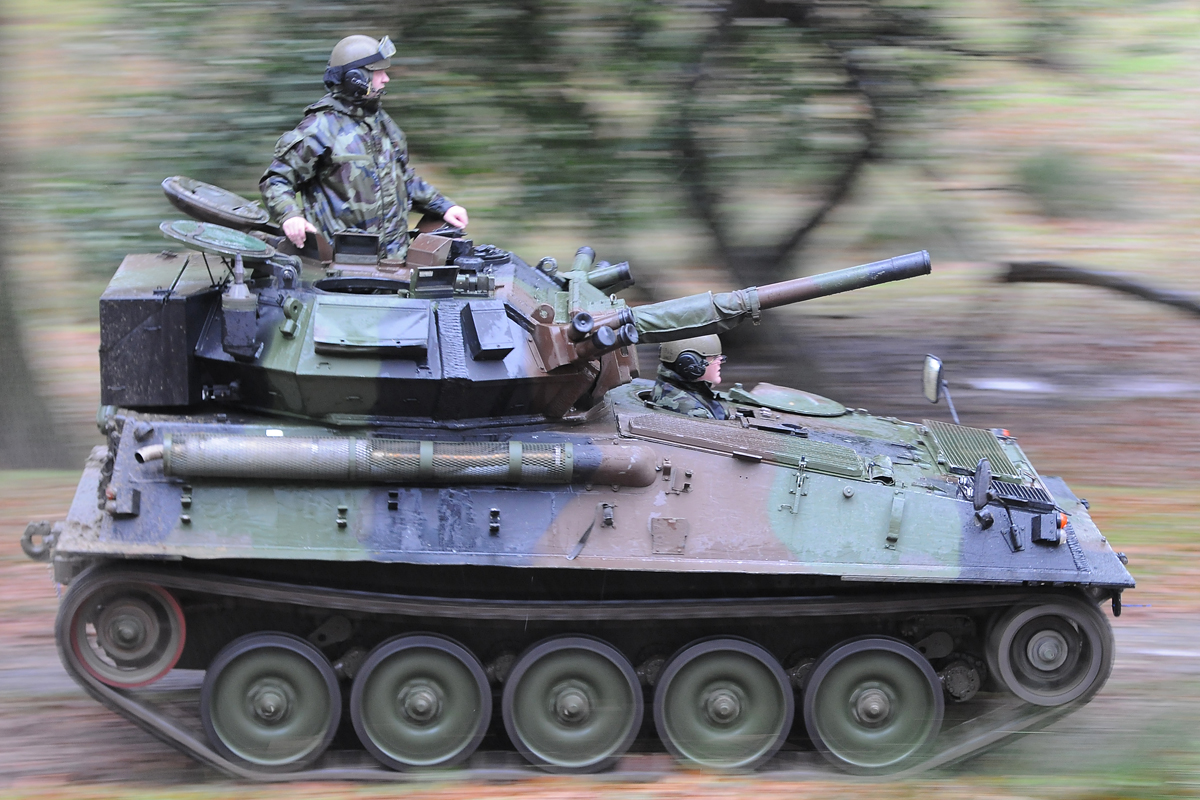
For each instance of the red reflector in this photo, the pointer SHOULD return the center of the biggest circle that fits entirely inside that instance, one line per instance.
(1062, 520)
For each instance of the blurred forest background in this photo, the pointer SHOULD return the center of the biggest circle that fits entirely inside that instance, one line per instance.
(713, 144)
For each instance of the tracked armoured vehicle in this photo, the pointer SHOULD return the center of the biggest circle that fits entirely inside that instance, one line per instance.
(418, 515)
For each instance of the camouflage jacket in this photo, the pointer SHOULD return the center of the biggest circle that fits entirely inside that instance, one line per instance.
(344, 167)
(694, 398)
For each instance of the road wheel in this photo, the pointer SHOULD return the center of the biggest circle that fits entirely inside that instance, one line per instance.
(723, 704)
(421, 701)
(873, 705)
(122, 634)
(1052, 653)
(270, 701)
(572, 704)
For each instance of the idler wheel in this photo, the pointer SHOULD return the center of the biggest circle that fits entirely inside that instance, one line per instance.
(121, 633)
(421, 701)
(873, 705)
(271, 701)
(1052, 653)
(572, 704)
(723, 704)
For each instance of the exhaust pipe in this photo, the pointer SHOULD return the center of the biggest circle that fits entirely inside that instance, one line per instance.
(377, 460)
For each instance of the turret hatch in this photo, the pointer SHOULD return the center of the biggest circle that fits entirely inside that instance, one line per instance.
(365, 325)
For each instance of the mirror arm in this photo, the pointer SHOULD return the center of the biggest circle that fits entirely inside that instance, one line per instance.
(950, 402)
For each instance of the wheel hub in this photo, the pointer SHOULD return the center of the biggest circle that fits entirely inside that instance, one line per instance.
(270, 701)
(571, 705)
(871, 706)
(722, 706)
(1047, 650)
(420, 702)
(127, 630)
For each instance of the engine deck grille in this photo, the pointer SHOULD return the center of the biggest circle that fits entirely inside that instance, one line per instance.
(1030, 497)
(731, 438)
(962, 447)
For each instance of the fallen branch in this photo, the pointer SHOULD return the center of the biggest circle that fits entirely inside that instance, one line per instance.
(1050, 272)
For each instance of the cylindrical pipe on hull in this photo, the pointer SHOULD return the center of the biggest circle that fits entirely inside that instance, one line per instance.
(377, 460)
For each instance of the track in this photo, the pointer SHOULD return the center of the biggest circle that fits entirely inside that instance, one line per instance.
(167, 709)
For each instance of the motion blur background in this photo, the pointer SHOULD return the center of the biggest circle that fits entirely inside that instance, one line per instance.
(714, 145)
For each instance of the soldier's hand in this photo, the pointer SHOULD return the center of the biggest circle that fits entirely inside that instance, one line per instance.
(296, 229)
(456, 216)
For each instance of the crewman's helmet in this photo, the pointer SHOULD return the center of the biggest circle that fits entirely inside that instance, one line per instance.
(688, 358)
(352, 61)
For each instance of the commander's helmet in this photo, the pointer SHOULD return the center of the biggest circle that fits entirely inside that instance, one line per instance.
(352, 61)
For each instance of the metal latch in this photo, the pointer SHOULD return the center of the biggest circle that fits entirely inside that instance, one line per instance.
(605, 512)
(800, 489)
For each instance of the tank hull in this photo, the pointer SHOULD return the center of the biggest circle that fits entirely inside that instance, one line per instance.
(782, 538)
(724, 499)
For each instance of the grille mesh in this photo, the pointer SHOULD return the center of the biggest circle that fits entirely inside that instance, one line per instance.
(962, 447)
(1031, 496)
(725, 437)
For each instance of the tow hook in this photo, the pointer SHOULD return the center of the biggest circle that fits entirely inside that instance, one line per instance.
(1116, 604)
(39, 538)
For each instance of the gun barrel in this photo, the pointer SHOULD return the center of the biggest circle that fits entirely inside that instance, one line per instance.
(702, 314)
(844, 280)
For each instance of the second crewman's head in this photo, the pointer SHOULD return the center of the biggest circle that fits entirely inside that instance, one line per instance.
(696, 359)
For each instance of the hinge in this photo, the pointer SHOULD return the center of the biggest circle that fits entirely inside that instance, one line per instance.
(893, 535)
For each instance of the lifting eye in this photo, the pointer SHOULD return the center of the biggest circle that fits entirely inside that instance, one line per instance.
(292, 308)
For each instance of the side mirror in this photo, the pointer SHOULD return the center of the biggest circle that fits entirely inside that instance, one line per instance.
(982, 484)
(931, 379)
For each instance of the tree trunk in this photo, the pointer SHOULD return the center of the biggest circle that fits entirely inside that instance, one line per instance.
(28, 439)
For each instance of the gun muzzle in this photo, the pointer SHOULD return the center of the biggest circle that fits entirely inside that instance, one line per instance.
(844, 280)
(703, 314)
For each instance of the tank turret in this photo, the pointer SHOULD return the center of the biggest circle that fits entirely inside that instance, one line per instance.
(460, 333)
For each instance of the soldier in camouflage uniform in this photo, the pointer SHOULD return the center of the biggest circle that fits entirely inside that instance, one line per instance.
(689, 370)
(345, 166)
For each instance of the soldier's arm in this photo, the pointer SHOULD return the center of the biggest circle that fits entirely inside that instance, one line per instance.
(430, 200)
(296, 160)
(424, 196)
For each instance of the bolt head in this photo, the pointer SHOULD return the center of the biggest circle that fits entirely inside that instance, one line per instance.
(722, 706)
(269, 702)
(871, 706)
(571, 706)
(419, 702)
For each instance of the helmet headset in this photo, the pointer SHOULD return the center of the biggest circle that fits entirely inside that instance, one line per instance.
(354, 77)
(690, 365)
(689, 358)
